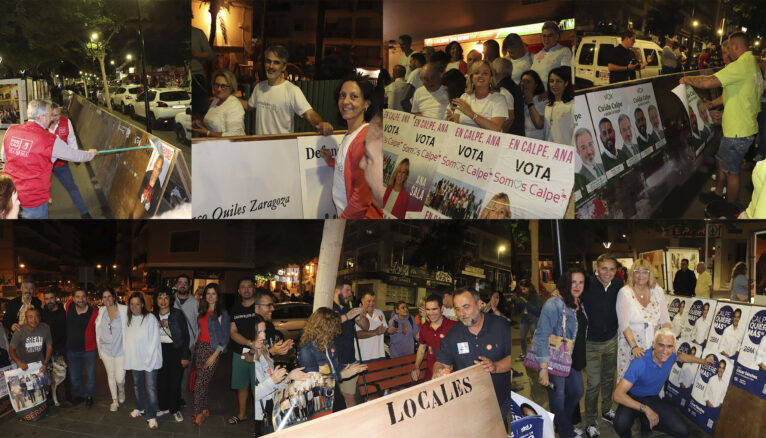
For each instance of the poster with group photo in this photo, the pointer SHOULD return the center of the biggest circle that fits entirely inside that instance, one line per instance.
(750, 370)
(678, 389)
(528, 419)
(13, 102)
(700, 122)
(590, 174)
(709, 390)
(303, 400)
(27, 391)
(728, 329)
(698, 318)
(317, 175)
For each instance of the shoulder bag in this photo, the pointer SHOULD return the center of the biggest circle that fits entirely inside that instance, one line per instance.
(560, 351)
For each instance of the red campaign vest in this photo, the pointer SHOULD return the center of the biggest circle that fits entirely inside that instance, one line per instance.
(62, 132)
(28, 149)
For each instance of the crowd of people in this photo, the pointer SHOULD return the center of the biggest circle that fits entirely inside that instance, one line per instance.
(520, 93)
(9, 115)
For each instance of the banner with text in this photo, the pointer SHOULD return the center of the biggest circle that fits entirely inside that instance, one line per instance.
(316, 175)
(750, 370)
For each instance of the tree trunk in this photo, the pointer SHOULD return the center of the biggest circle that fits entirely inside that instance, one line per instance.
(107, 98)
(329, 259)
(534, 239)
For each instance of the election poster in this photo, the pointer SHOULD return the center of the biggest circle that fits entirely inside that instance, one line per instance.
(411, 147)
(750, 370)
(610, 111)
(27, 391)
(677, 310)
(13, 102)
(700, 122)
(709, 390)
(528, 419)
(303, 400)
(678, 389)
(150, 190)
(646, 119)
(728, 329)
(478, 174)
(656, 258)
(697, 321)
(590, 174)
(674, 257)
(317, 175)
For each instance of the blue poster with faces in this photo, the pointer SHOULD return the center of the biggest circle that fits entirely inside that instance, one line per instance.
(750, 370)
(709, 390)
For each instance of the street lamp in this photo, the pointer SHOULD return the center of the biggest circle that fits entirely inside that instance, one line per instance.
(500, 249)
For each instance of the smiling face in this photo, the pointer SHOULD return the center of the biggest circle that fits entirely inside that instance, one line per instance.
(402, 172)
(163, 302)
(351, 103)
(221, 88)
(607, 135)
(641, 123)
(80, 299)
(557, 85)
(663, 347)
(454, 52)
(265, 307)
(433, 311)
(585, 149)
(274, 66)
(211, 297)
(721, 369)
(578, 284)
(626, 131)
(260, 335)
(606, 271)
(136, 304)
(246, 289)
(481, 77)
(402, 311)
(737, 316)
(107, 298)
(56, 116)
(32, 316)
(27, 290)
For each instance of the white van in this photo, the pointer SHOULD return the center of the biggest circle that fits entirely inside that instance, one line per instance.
(592, 59)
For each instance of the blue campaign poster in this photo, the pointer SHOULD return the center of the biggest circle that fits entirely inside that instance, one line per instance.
(678, 388)
(528, 419)
(750, 371)
(709, 390)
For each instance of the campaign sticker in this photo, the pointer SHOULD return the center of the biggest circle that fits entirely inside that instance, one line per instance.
(462, 347)
(489, 346)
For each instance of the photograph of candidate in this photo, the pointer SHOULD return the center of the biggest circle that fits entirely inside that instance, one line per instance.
(590, 168)
(716, 387)
(704, 115)
(732, 336)
(626, 132)
(657, 132)
(702, 325)
(395, 199)
(688, 371)
(609, 155)
(643, 139)
(499, 207)
(694, 140)
(151, 183)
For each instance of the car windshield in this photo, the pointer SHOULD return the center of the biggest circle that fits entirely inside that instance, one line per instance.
(134, 90)
(171, 96)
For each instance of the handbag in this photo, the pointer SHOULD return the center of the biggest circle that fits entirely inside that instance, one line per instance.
(560, 351)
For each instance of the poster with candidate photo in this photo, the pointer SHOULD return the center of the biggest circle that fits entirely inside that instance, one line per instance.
(678, 389)
(27, 391)
(529, 420)
(304, 400)
(700, 122)
(150, 191)
(590, 174)
(709, 390)
(750, 370)
(611, 112)
(728, 329)
(645, 116)
(677, 310)
(698, 318)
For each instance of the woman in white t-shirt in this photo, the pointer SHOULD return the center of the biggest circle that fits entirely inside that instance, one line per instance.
(559, 113)
(226, 116)
(533, 91)
(481, 105)
(455, 52)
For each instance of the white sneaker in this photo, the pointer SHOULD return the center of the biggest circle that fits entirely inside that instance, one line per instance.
(178, 417)
(114, 406)
(578, 432)
(135, 413)
(161, 413)
(592, 431)
(608, 416)
(153, 424)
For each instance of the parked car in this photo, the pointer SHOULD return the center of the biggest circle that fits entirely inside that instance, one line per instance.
(164, 104)
(101, 96)
(592, 59)
(290, 318)
(183, 126)
(124, 97)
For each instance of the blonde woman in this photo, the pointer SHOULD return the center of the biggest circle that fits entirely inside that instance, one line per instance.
(641, 308)
(499, 207)
(481, 105)
(395, 199)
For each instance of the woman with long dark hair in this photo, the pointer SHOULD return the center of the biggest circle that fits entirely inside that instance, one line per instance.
(533, 92)
(143, 356)
(455, 52)
(565, 316)
(174, 338)
(9, 198)
(559, 113)
(350, 191)
(211, 342)
(498, 305)
(530, 305)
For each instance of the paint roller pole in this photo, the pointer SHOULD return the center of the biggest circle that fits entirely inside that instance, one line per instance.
(156, 144)
(144, 82)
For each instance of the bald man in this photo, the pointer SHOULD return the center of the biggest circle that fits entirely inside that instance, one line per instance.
(431, 99)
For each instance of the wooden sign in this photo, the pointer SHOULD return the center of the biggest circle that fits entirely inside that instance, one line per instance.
(462, 403)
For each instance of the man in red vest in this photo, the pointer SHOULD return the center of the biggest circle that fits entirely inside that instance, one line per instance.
(63, 129)
(30, 151)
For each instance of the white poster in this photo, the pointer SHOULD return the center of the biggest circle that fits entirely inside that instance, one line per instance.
(750, 371)
(728, 329)
(590, 173)
(154, 177)
(697, 320)
(648, 133)
(700, 122)
(609, 111)
(316, 175)
(247, 180)
(27, 391)
(678, 312)
(709, 390)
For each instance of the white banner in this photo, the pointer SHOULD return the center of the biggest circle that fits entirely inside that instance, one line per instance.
(316, 175)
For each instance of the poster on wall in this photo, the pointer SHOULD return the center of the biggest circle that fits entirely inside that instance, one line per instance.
(649, 134)
(528, 419)
(317, 175)
(13, 102)
(760, 265)
(709, 390)
(678, 389)
(700, 122)
(656, 258)
(590, 174)
(27, 391)
(698, 318)
(750, 370)
(673, 258)
(728, 329)
(677, 310)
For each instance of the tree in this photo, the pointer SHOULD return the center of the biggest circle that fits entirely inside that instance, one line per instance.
(747, 13)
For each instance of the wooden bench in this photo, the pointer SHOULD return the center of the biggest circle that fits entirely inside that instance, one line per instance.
(389, 374)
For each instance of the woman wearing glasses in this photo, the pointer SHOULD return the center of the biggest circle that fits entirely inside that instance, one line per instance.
(641, 308)
(111, 324)
(226, 116)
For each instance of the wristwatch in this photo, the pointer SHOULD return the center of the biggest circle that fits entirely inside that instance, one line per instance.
(475, 116)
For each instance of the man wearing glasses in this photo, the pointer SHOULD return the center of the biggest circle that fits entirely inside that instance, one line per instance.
(275, 342)
(277, 100)
(552, 54)
(190, 307)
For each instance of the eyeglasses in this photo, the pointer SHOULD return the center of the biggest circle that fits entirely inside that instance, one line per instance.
(221, 86)
(641, 271)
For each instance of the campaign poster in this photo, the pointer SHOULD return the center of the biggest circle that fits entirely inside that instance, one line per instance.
(610, 111)
(412, 147)
(698, 318)
(528, 419)
(656, 258)
(317, 175)
(674, 257)
(728, 329)
(27, 391)
(678, 311)
(590, 174)
(150, 191)
(700, 122)
(750, 370)
(678, 389)
(13, 102)
(247, 179)
(709, 390)
(303, 400)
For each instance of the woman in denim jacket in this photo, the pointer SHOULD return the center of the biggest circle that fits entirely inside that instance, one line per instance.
(318, 351)
(213, 337)
(564, 393)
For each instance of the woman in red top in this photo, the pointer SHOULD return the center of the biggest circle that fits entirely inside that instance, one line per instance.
(396, 198)
(351, 193)
(213, 336)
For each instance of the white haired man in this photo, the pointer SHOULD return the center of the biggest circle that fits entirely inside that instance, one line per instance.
(638, 392)
(30, 151)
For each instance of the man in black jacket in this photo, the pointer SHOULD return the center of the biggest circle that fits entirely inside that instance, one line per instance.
(600, 302)
(503, 71)
(685, 281)
(13, 312)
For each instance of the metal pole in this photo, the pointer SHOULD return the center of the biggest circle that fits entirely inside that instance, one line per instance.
(144, 82)
(559, 248)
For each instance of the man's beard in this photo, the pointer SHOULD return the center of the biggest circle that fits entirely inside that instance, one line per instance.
(469, 321)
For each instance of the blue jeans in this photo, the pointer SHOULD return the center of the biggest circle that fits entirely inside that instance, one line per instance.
(731, 153)
(528, 327)
(77, 360)
(145, 385)
(670, 423)
(563, 399)
(64, 175)
(39, 212)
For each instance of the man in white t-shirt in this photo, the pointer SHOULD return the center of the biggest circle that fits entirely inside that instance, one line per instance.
(732, 336)
(431, 99)
(552, 54)
(716, 387)
(678, 320)
(371, 340)
(516, 51)
(396, 90)
(405, 43)
(276, 100)
(417, 61)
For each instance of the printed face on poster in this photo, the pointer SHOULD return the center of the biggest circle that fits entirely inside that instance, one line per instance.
(27, 391)
(694, 321)
(528, 419)
(700, 122)
(304, 400)
(644, 116)
(154, 177)
(590, 173)
(709, 390)
(750, 372)
(682, 374)
(728, 329)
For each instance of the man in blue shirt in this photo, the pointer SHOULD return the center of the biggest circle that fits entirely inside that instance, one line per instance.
(637, 392)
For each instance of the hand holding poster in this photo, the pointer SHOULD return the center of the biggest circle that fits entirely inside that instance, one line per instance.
(750, 371)
(303, 400)
(27, 391)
